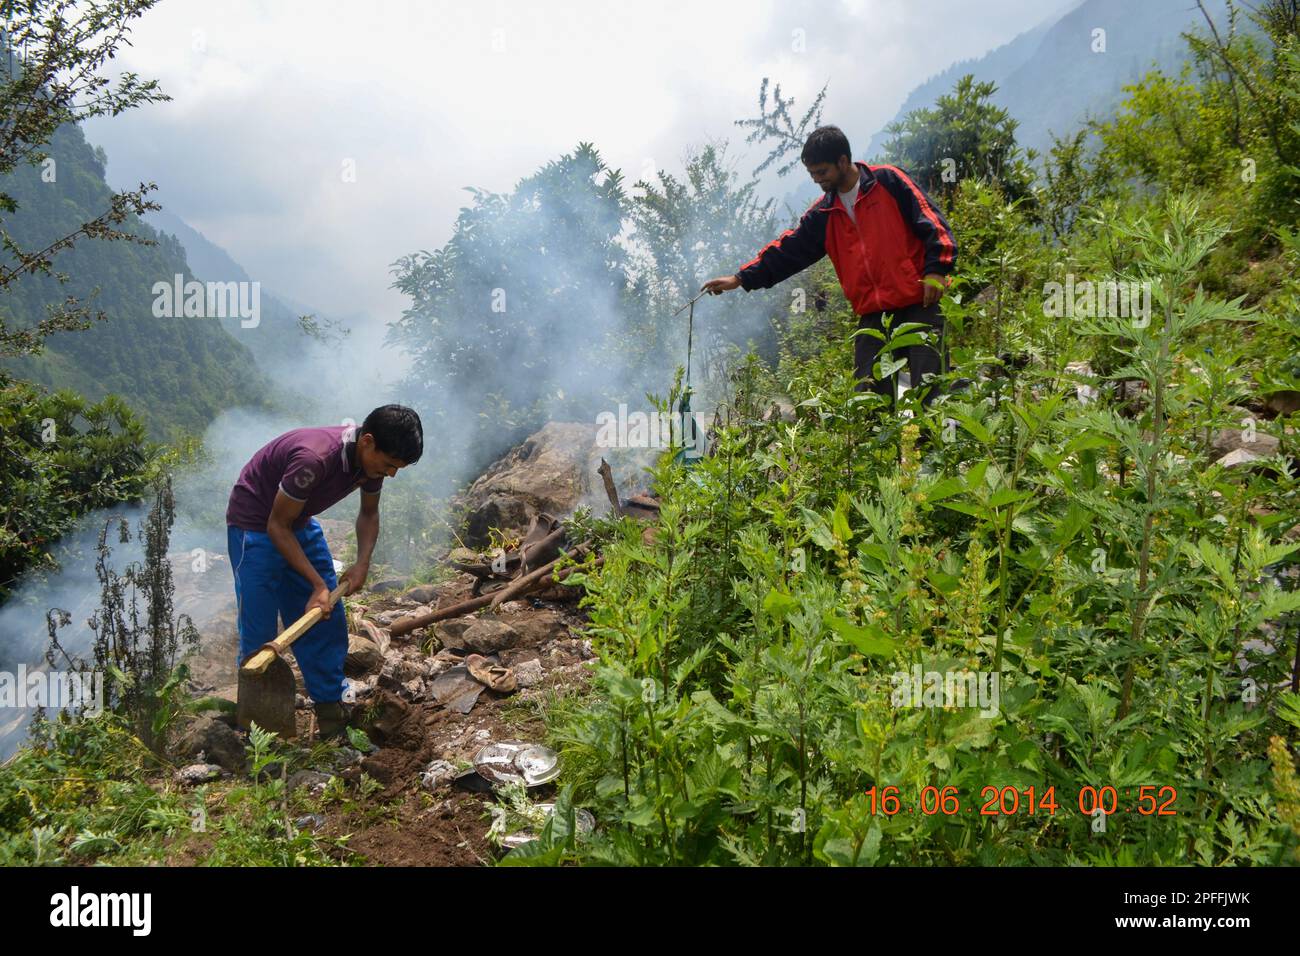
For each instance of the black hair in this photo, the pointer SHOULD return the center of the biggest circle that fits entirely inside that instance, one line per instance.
(397, 432)
(826, 144)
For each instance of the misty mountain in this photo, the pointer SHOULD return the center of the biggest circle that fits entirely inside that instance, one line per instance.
(277, 336)
(177, 373)
(1050, 79)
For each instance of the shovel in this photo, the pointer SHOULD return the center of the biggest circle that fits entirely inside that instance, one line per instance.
(266, 690)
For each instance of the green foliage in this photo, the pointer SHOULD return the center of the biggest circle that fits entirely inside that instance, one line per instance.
(136, 652)
(62, 457)
(1230, 122)
(963, 136)
(177, 373)
(746, 707)
(78, 793)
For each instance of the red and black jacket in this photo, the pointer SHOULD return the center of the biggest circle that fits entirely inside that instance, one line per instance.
(898, 238)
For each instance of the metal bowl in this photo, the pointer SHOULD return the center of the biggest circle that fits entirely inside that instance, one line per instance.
(514, 761)
(538, 765)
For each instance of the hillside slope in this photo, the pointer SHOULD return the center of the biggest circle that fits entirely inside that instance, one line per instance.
(1051, 80)
(177, 372)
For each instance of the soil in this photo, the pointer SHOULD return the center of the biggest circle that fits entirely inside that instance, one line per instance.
(404, 824)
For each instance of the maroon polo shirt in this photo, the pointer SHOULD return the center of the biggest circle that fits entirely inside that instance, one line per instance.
(317, 466)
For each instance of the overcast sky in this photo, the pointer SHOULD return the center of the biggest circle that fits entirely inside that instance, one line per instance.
(272, 99)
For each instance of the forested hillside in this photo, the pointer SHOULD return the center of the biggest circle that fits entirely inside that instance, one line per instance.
(178, 373)
(1057, 76)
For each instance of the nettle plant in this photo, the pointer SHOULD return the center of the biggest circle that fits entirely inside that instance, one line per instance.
(1079, 558)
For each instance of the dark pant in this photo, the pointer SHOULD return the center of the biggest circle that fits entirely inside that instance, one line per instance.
(922, 360)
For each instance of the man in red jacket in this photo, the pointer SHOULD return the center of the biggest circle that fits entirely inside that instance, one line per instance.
(891, 248)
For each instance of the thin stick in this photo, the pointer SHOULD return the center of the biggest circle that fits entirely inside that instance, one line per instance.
(414, 621)
(523, 584)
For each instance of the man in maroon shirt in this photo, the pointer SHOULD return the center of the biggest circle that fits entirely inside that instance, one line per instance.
(282, 565)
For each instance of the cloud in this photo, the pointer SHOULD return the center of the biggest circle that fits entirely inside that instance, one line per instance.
(271, 100)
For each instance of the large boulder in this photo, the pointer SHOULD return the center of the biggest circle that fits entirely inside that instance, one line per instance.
(1253, 440)
(554, 471)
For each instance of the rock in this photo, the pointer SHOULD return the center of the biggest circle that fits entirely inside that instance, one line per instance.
(1257, 442)
(218, 741)
(529, 673)
(390, 584)
(313, 820)
(1283, 402)
(401, 669)
(537, 629)
(346, 757)
(553, 470)
(1081, 374)
(313, 780)
(197, 773)
(514, 656)
(487, 636)
(456, 690)
(1238, 458)
(377, 634)
(438, 774)
(364, 656)
(422, 594)
(464, 556)
(449, 633)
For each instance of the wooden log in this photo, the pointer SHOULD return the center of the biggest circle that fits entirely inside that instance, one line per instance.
(407, 624)
(540, 547)
(611, 491)
(523, 584)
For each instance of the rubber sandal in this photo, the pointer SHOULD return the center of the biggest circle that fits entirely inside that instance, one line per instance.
(493, 676)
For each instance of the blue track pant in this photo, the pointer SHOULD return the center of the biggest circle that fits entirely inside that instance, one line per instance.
(265, 586)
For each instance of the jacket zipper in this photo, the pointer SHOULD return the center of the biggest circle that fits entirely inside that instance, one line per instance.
(862, 242)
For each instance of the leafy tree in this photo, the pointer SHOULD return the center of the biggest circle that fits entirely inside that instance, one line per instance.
(1230, 121)
(54, 52)
(62, 457)
(964, 136)
(776, 125)
(688, 229)
(521, 313)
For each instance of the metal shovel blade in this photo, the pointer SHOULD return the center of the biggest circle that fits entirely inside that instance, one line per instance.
(267, 699)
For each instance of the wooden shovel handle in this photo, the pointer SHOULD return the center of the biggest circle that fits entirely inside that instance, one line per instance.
(260, 661)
